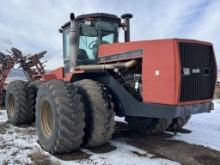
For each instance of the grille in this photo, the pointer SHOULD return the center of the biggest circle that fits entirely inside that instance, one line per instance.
(198, 71)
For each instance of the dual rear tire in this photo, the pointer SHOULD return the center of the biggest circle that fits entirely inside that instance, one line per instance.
(178, 123)
(144, 125)
(18, 103)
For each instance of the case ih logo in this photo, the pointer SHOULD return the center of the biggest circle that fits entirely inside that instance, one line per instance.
(188, 71)
(196, 70)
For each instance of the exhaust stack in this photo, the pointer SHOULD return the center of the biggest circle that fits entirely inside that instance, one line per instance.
(126, 26)
(73, 43)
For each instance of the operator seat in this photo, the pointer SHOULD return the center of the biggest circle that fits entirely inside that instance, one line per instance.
(82, 56)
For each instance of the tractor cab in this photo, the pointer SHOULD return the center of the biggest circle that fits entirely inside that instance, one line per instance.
(88, 33)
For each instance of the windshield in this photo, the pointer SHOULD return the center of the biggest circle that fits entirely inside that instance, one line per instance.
(90, 37)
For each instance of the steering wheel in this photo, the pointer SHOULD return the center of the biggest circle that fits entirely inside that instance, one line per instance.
(91, 45)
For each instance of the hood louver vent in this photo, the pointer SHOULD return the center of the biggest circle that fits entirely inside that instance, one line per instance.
(198, 71)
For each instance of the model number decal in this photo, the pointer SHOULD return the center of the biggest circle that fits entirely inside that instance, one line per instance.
(120, 56)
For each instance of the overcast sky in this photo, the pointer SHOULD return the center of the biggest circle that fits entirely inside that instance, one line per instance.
(32, 25)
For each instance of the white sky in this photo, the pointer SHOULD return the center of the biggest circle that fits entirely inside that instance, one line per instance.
(32, 25)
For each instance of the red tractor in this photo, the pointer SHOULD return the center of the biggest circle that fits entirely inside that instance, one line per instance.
(155, 84)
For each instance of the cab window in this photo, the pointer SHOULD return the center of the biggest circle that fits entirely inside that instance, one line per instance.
(107, 37)
(66, 50)
(88, 40)
(66, 43)
(86, 43)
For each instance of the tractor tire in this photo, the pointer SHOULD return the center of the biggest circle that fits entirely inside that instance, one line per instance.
(2, 98)
(17, 103)
(178, 123)
(144, 125)
(32, 95)
(3, 62)
(99, 112)
(59, 117)
(36, 83)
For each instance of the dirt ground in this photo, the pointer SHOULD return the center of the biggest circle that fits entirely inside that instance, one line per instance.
(162, 146)
(159, 146)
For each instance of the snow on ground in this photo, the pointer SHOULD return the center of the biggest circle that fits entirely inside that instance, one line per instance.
(124, 154)
(205, 129)
(3, 117)
(120, 119)
(19, 146)
(14, 144)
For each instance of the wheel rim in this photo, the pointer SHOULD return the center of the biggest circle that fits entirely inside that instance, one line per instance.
(11, 105)
(47, 119)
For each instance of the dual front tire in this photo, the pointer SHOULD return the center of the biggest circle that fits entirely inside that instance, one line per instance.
(59, 117)
(99, 112)
(71, 115)
(64, 120)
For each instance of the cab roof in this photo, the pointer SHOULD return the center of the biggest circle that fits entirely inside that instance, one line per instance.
(94, 15)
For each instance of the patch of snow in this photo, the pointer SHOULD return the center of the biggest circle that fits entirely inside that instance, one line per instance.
(120, 119)
(124, 154)
(205, 129)
(3, 115)
(16, 145)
